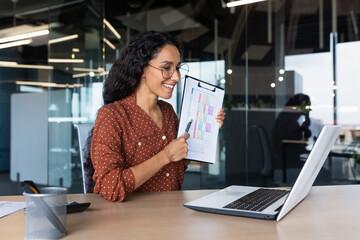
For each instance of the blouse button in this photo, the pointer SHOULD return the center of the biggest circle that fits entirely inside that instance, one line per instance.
(163, 137)
(139, 143)
(167, 174)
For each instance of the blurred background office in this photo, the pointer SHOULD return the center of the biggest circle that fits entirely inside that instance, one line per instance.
(55, 56)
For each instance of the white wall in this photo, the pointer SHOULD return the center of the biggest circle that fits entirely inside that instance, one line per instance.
(29, 137)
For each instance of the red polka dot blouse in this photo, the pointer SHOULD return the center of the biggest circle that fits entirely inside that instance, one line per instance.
(124, 136)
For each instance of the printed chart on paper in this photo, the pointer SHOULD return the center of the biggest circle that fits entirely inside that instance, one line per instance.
(201, 108)
(202, 114)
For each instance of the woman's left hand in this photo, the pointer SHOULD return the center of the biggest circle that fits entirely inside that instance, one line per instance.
(220, 117)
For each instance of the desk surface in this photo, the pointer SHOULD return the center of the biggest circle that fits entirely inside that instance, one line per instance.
(329, 212)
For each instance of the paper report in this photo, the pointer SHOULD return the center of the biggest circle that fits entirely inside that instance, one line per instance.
(201, 103)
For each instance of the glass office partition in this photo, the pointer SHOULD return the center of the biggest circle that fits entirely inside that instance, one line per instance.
(76, 52)
(300, 77)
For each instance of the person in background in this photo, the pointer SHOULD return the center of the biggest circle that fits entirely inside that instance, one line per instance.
(293, 124)
(134, 145)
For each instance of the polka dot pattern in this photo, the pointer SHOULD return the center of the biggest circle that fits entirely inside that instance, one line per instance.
(125, 136)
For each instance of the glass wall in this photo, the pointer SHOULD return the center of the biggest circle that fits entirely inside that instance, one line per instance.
(76, 50)
(300, 78)
(51, 55)
(288, 67)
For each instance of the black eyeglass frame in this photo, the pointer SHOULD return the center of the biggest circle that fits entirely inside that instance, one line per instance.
(172, 73)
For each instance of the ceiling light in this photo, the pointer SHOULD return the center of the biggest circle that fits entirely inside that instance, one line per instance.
(25, 35)
(88, 69)
(242, 2)
(47, 84)
(7, 64)
(272, 85)
(63, 39)
(41, 84)
(14, 44)
(281, 79)
(16, 65)
(76, 50)
(109, 44)
(80, 75)
(281, 71)
(54, 60)
(112, 29)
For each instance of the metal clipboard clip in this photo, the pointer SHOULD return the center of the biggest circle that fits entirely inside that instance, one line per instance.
(213, 90)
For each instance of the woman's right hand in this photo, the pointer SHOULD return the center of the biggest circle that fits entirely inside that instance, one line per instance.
(177, 149)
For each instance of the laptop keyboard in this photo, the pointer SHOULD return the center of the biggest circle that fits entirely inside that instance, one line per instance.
(257, 200)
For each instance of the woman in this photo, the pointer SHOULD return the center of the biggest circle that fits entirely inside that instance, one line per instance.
(134, 146)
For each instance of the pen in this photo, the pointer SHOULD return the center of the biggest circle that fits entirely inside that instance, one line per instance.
(188, 126)
(30, 187)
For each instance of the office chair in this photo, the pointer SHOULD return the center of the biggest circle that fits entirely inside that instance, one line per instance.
(83, 133)
(268, 153)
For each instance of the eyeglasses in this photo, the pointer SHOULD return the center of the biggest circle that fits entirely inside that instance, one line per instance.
(168, 70)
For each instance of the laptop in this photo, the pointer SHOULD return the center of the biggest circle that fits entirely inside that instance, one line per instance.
(270, 203)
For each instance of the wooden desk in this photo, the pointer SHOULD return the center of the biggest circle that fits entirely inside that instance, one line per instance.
(329, 212)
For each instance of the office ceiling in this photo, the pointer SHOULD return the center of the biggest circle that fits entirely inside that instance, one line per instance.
(193, 23)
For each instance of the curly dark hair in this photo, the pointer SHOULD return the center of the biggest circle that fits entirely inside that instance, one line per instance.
(298, 100)
(125, 76)
(126, 72)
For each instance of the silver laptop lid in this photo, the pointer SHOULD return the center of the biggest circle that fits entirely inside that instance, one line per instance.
(311, 168)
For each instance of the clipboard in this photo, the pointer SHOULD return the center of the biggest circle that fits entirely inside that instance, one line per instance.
(200, 104)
